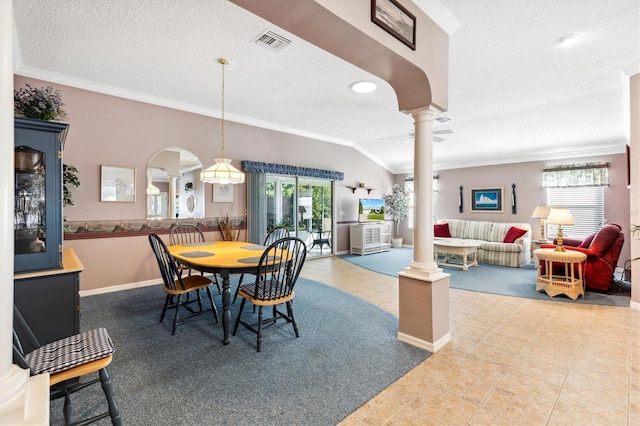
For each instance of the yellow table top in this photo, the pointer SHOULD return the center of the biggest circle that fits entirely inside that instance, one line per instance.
(218, 254)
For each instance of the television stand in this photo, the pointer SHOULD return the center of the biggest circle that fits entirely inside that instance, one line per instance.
(368, 238)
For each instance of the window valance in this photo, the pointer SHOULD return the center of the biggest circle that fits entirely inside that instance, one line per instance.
(283, 169)
(575, 175)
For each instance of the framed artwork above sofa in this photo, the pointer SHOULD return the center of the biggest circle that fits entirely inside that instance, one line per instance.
(487, 199)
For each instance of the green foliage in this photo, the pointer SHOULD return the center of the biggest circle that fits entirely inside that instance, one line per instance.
(42, 103)
(397, 205)
(70, 178)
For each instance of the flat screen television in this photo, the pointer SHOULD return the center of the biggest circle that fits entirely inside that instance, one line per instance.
(370, 210)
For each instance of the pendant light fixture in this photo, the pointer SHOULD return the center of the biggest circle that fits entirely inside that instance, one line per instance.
(222, 171)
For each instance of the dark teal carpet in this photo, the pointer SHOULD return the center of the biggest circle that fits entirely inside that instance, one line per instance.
(347, 353)
(518, 282)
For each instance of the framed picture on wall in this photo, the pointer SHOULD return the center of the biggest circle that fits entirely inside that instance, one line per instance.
(395, 19)
(223, 193)
(117, 184)
(487, 200)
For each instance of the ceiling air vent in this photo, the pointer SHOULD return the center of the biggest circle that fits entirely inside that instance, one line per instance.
(442, 119)
(272, 41)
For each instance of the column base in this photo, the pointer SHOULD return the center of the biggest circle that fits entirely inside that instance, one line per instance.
(25, 399)
(424, 311)
(424, 271)
(431, 347)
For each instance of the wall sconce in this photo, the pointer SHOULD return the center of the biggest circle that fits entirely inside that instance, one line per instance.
(434, 183)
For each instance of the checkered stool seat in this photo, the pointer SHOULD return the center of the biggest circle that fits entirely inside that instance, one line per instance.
(66, 353)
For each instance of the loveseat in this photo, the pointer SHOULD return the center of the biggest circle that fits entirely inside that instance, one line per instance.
(602, 249)
(515, 252)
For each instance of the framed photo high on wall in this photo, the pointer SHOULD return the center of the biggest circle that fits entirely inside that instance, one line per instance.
(487, 200)
(117, 184)
(395, 19)
(223, 193)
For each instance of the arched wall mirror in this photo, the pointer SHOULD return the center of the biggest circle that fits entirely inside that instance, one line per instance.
(174, 189)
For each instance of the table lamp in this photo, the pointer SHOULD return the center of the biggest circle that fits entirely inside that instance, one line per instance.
(560, 217)
(541, 212)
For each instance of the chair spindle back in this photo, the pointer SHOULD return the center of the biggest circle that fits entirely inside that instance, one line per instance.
(279, 268)
(167, 264)
(185, 234)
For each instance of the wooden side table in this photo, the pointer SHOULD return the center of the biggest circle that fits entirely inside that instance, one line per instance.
(568, 283)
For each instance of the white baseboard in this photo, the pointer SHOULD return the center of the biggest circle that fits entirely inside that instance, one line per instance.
(119, 287)
(423, 344)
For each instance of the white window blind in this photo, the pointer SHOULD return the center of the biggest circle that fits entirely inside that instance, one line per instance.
(587, 208)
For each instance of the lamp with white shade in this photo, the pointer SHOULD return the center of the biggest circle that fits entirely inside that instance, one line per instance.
(541, 212)
(560, 217)
(222, 171)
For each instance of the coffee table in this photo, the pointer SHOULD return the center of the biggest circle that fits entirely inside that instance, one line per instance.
(456, 247)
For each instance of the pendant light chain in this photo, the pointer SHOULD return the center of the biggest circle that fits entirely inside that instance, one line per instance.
(222, 62)
(222, 171)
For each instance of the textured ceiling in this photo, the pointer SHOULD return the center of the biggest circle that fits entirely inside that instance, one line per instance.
(514, 94)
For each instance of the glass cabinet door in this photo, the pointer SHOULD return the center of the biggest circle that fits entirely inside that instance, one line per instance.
(30, 201)
(38, 194)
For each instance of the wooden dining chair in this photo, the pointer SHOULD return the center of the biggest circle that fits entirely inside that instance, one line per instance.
(176, 286)
(67, 360)
(276, 276)
(189, 234)
(272, 236)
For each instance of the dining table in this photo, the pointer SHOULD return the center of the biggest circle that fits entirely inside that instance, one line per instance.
(223, 258)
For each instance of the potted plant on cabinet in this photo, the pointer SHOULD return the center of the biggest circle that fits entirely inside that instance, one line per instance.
(397, 207)
(45, 103)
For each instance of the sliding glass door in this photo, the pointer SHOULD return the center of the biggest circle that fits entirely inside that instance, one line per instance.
(305, 207)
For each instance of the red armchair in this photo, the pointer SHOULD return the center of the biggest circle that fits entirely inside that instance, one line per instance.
(602, 250)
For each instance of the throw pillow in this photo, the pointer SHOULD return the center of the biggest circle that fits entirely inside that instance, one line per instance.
(587, 241)
(441, 230)
(513, 234)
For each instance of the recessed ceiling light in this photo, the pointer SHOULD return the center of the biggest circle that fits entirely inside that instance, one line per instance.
(364, 87)
(567, 40)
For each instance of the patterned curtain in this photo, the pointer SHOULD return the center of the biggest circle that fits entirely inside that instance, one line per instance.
(283, 169)
(575, 175)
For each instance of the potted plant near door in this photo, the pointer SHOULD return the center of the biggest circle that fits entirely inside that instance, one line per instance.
(397, 207)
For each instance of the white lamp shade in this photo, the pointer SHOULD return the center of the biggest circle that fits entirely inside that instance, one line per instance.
(560, 217)
(540, 212)
(223, 172)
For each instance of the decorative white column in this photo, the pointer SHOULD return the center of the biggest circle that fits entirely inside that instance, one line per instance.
(23, 399)
(424, 288)
(171, 213)
(423, 265)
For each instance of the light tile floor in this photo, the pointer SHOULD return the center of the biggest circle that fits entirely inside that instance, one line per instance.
(511, 361)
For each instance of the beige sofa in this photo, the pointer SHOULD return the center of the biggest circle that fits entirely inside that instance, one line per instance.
(491, 236)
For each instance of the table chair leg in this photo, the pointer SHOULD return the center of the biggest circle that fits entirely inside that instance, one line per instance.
(175, 317)
(107, 388)
(213, 305)
(259, 340)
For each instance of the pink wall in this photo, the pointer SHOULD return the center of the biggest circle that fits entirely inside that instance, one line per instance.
(119, 132)
(529, 193)
(634, 130)
(108, 130)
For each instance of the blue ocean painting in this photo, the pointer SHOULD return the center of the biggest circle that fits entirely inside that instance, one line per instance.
(486, 199)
